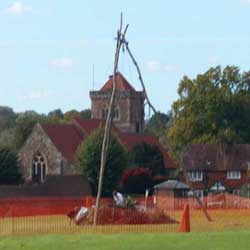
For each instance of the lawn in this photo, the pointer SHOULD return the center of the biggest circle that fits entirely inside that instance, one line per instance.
(200, 241)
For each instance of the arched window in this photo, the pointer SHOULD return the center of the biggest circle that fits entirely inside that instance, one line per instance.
(39, 166)
(116, 113)
(105, 113)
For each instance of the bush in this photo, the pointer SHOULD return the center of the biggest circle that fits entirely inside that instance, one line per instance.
(89, 161)
(9, 167)
(136, 180)
(148, 156)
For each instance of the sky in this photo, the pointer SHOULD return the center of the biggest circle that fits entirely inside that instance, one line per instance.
(53, 52)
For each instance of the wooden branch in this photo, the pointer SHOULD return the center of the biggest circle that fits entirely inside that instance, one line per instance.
(108, 124)
(140, 76)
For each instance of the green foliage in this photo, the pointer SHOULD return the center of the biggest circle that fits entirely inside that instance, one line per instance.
(16, 127)
(212, 108)
(89, 161)
(157, 125)
(9, 167)
(56, 115)
(7, 117)
(136, 180)
(147, 156)
(85, 114)
(71, 115)
(25, 123)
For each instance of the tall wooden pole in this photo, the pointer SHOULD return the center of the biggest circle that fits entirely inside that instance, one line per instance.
(108, 125)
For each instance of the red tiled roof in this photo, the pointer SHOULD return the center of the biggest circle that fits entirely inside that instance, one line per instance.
(121, 83)
(217, 157)
(130, 140)
(66, 138)
(89, 125)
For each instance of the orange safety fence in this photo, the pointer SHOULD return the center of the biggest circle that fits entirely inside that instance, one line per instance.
(156, 214)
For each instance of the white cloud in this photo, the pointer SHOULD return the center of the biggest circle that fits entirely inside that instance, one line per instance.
(170, 68)
(18, 9)
(34, 95)
(63, 63)
(155, 66)
(245, 1)
(214, 59)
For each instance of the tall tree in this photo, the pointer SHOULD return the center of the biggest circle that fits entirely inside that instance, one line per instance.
(212, 108)
(89, 161)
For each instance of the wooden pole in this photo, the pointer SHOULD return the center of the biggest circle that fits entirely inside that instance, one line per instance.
(108, 125)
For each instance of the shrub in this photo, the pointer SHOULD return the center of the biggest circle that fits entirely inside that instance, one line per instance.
(9, 167)
(136, 180)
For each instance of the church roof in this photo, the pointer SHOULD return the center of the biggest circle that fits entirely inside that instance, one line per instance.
(65, 137)
(121, 84)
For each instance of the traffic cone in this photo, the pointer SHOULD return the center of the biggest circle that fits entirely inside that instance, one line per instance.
(185, 220)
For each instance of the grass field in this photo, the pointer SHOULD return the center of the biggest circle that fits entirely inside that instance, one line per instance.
(192, 241)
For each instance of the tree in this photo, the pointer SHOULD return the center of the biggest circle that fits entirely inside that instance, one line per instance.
(7, 117)
(55, 116)
(85, 114)
(24, 124)
(9, 167)
(89, 156)
(157, 125)
(69, 116)
(212, 108)
(136, 180)
(148, 156)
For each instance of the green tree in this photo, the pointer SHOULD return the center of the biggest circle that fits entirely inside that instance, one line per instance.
(212, 108)
(55, 116)
(157, 125)
(9, 167)
(85, 114)
(7, 117)
(89, 157)
(69, 116)
(148, 156)
(24, 125)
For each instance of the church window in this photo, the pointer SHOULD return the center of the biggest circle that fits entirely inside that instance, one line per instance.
(39, 168)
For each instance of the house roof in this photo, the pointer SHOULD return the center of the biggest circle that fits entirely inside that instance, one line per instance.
(171, 185)
(65, 137)
(217, 157)
(121, 84)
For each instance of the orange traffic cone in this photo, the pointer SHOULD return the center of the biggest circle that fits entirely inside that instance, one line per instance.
(185, 220)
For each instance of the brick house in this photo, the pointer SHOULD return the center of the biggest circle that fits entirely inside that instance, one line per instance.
(50, 149)
(216, 168)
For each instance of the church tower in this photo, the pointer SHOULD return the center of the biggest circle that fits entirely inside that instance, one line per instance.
(128, 107)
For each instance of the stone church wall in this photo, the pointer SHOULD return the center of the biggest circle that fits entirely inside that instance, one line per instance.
(39, 141)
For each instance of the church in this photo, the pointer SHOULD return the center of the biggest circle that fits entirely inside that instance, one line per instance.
(50, 149)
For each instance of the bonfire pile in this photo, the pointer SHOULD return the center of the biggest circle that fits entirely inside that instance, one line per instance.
(124, 216)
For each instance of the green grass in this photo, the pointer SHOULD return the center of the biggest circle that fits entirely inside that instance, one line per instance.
(200, 241)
